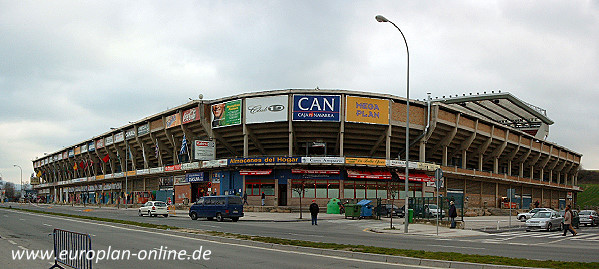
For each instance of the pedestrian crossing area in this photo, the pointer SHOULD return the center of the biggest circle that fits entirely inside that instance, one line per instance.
(519, 235)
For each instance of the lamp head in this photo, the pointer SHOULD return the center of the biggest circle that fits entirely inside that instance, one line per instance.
(380, 18)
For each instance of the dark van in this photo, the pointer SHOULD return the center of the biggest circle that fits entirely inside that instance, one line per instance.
(219, 207)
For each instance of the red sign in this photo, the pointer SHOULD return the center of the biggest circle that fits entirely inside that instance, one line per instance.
(368, 174)
(307, 171)
(191, 115)
(256, 172)
(170, 168)
(419, 177)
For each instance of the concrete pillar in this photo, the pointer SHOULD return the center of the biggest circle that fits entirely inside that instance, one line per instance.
(422, 153)
(444, 158)
(496, 165)
(464, 162)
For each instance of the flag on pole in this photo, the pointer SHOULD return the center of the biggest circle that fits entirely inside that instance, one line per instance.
(143, 151)
(106, 158)
(183, 146)
(75, 166)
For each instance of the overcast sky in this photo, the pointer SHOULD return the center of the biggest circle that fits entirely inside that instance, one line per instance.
(70, 70)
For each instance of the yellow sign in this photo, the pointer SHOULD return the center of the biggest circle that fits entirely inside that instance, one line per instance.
(366, 110)
(428, 166)
(366, 161)
(131, 173)
(99, 177)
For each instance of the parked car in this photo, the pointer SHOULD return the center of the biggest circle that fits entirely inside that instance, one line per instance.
(546, 220)
(526, 215)
(589, 217)
(575, 218)
(154, 208)
(432, 211)
(397, 211)
(219, 207)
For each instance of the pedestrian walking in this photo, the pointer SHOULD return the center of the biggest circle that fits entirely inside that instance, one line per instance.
(453, 213)
(263, 198)
(568, 222)
(314, 212)
(536, 203)
(245, 199)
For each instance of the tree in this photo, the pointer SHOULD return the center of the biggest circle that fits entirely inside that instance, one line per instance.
(10, 190)
(299, 187)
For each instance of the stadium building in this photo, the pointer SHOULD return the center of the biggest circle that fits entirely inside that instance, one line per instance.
(320, 144)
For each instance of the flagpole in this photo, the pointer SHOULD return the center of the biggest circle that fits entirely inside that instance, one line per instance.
(126, 185)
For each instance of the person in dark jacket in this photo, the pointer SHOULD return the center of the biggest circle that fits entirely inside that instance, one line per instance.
(314, 212)
(263, 198)
(453, 213)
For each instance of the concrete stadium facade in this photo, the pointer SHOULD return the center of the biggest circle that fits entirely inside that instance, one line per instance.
(328, 143)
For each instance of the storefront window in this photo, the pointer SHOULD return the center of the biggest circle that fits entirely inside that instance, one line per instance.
(333, 190)
(268, 189)
(371, 191)
(360, 190)
(348, 191)
(381, 191)
(310, 192)
(321, 190)
(256, 189)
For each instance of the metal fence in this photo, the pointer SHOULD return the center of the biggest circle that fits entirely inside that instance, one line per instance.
(422, 207)
(71, 249)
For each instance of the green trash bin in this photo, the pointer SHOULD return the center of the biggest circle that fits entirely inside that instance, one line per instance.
(333, 206)
(410, 215)
(352, 210)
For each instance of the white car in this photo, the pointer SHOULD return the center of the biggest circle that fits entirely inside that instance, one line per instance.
(527, 215)
(545, 220)
(432, 211)
(154, 208)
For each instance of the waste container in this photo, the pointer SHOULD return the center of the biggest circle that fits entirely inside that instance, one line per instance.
(410, 215)
(333, 206)
(352, 210)
(366, 210)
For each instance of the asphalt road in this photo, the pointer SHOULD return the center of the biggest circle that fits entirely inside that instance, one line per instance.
(29, 231)
(520, 244)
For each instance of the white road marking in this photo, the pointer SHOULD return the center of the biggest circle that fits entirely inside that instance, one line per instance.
(12, 242)
(23, 248)
(21, 219)
(454, 247)
(306, 235)
(46, 224)
(231, 244)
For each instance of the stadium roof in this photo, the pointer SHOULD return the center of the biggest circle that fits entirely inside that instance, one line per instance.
(501, 107)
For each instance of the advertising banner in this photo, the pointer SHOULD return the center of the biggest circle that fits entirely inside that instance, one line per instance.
(172, 120)
(195, 177)
(179, 179)
(143, 129)
(77, 150)
(366, 161)
(316, 107)
(108, 140)
(226, 114)
(65, 155)
(170, 168)
(191, 115)
(71, 152)
(204, 150)
(214, 163)
(100, 143)
(130, 134)
(264, 160)
(84, 148)
(119, 137)
(156, 125)
(91, 146)
(190, 166)
(266, 109)
(324, 160)
(367, 110)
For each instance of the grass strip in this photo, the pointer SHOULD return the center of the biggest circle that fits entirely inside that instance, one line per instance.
(435, 255)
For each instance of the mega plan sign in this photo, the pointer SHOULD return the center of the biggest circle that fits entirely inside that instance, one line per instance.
(367, 110)
(316, 107)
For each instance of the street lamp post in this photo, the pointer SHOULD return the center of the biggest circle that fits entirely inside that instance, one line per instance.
(21, 178)
(380, 18)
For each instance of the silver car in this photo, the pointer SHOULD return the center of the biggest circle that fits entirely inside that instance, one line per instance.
(589, 217)
(545, 220)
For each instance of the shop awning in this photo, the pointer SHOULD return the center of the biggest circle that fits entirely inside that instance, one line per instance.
(419, 177)
(313, 171)
(255, 172)
(352, 173)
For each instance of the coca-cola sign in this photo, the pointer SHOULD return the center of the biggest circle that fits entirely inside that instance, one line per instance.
(191, 115)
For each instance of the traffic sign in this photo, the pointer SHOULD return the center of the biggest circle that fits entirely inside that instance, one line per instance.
(438, 174)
